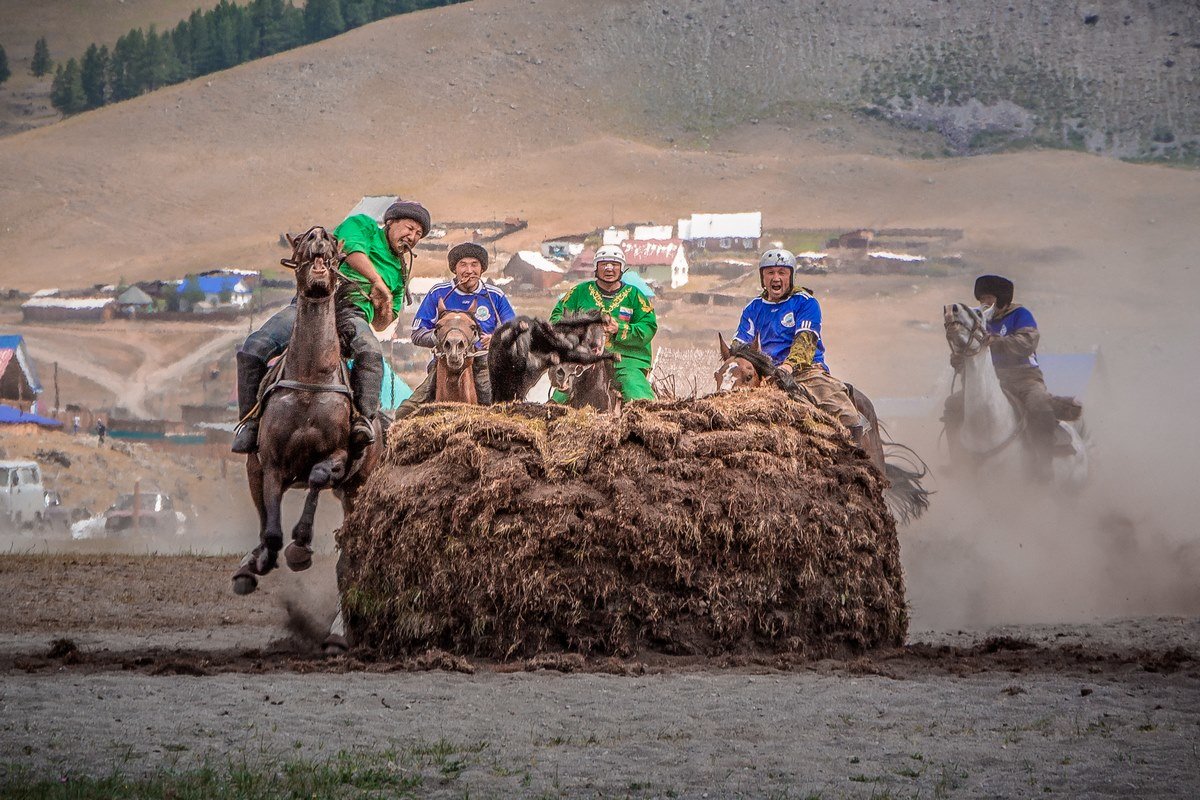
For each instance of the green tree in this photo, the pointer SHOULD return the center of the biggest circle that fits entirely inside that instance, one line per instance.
(5, 73)
(322, 19)
(66, 92)
(42, 63)
(357, 12)
(94, 75)
(192, 293)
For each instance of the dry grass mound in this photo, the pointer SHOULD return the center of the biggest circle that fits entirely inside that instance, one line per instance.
(731, 523)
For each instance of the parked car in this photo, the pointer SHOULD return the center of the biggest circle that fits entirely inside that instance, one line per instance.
(155, 513)
(57, 517)
(22, 496)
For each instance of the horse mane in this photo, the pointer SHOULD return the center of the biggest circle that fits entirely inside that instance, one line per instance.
(580, 319)
(761, 362)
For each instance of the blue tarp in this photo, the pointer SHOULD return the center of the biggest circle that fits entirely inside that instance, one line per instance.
(15, 416)
(395, 390)
(1068, 374)
(630, 277)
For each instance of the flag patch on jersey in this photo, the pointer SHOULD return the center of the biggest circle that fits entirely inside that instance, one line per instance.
(625, 314)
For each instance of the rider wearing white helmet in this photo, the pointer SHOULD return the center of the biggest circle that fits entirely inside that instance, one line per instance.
(786, 322)
(629, 320)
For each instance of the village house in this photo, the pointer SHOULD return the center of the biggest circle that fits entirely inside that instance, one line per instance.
(218, 291)
(564, 247)
(53, 308)
(652, 233)
(661, 263)
(532, 269)
(19, 384)
(133, 302)
(722, 231)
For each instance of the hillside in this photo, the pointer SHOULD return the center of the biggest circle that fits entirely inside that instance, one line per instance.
(505, 107)
(69, 27)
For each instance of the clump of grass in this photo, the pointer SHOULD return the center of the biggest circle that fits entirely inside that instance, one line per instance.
(708, 526)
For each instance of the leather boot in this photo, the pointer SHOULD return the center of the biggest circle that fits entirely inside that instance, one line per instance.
(366, 381)
(250, 372)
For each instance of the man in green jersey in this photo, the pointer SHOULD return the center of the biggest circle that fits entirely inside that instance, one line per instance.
(629, 321)
(375, 264)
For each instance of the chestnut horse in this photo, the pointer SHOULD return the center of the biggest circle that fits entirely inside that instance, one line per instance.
(746, 366)
(304, 430)
(457, 333)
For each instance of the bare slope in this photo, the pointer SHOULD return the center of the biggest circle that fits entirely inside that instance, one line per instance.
(498, 106)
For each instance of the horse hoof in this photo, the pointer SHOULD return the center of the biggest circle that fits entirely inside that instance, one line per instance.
(298, 556)
(266, 561)
(335, 645)
(244, 584)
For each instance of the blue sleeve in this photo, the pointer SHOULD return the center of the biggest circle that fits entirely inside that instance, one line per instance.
(808, 316)
(426, 316)
(745, 329)
(505, 310)
(1023, 318)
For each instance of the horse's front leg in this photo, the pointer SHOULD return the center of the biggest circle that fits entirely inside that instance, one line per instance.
(245, 579)
(272, 536)
(324, 475)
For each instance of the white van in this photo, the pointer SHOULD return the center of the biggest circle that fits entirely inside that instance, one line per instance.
(22, 496)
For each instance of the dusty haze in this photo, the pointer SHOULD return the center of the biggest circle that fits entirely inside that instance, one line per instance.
(489, 109)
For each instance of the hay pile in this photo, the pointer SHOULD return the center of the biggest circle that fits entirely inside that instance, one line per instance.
(729, 524)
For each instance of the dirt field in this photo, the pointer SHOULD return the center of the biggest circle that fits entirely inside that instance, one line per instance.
(201, 676)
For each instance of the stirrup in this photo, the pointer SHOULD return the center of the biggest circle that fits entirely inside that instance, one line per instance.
(362, 432)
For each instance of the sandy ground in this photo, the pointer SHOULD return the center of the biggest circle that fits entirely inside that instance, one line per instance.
(200, 676)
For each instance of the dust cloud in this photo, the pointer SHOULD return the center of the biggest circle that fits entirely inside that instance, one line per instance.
(1002, 550)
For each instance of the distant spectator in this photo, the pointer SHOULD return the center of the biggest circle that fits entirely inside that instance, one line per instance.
(101, 430)
(75, 426)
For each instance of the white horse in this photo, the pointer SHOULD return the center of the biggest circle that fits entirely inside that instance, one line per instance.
(993, 426)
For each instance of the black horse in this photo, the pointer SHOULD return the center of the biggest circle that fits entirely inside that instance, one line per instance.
(523, 348)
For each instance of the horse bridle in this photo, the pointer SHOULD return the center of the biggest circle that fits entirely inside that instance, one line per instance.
(976, 340)
(438, 352)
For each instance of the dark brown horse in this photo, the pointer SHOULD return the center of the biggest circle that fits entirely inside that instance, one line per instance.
(591, 385)
(524, 348)
(746, 366)
(304, 429)
(457, 333)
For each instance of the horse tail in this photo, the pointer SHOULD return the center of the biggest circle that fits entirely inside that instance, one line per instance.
(907, 498)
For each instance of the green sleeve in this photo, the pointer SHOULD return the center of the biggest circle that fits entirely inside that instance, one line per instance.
(357, 233)
(642, 325)
(560, 307)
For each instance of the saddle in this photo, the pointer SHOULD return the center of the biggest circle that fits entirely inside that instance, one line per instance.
(274, 380)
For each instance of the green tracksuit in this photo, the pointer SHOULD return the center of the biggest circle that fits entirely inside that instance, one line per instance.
(636, 325)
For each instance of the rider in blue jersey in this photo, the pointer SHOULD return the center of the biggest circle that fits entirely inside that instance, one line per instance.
(468, 262)
(786, 321)
(1013, 339)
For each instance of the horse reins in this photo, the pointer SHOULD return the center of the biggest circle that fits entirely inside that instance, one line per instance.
(976, 337)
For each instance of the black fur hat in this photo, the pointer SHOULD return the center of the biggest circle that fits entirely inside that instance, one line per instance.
(467, 250)
(409, 209)
(1001, 288)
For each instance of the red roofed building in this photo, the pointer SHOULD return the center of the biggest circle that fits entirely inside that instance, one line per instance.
(662, 261)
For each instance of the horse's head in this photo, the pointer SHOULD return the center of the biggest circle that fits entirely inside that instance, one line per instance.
(741, 366)
(316, 256)
(564, 376)
(966, 328)
(456, 333)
